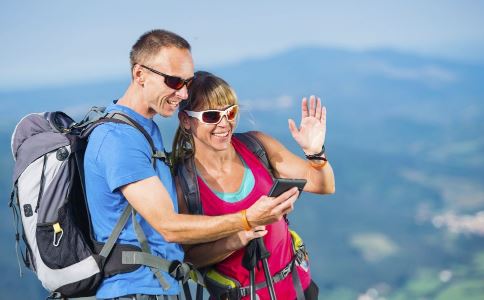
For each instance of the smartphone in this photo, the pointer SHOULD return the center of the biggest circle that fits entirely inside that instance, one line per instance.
(283, 184)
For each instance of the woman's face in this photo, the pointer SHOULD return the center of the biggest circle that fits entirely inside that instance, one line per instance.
(216, 136)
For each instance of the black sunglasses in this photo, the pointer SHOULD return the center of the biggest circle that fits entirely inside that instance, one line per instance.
(173, 82)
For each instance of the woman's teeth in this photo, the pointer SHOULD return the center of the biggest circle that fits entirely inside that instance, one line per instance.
(222, 134)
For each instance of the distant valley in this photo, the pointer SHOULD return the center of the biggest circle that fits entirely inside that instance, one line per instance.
(404, 139)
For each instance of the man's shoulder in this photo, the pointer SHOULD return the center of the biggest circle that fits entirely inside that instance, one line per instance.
(115, 136)
(114, 132)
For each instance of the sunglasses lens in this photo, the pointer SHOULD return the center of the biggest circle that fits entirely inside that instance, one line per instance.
(232, 113)
(212, 116)
(189, 82)
(174, 82)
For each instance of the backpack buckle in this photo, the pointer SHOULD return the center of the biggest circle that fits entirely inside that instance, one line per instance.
(180, 271)
(57, 230)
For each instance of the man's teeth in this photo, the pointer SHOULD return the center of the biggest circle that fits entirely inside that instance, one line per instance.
(172, 102)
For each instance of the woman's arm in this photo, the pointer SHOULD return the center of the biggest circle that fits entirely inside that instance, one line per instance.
(310, 136)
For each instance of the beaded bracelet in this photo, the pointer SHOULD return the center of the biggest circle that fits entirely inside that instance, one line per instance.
(317, 156)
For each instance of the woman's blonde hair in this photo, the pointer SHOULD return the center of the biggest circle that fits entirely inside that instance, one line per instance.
(207, 91)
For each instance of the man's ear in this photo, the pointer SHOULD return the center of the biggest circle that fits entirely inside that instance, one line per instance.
(138, 75)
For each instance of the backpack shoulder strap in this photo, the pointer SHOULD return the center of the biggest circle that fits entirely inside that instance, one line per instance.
(187, 174)
(253, 143)
(144, 257)
(126, 119)
(187, 177)
(118, 117)
(255, 146)
(85, 128)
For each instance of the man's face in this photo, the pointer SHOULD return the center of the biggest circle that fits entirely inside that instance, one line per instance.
(160, 98)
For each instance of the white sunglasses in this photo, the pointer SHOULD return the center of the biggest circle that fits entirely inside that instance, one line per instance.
(214, 116)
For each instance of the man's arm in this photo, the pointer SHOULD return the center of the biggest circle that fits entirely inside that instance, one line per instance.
(152, 201)
(209, 253)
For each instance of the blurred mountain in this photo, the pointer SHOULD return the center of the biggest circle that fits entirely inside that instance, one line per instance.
(404, 139)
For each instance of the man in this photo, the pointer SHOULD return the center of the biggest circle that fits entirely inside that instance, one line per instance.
(118, 170)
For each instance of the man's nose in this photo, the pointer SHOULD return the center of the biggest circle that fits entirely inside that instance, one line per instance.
(182, 93)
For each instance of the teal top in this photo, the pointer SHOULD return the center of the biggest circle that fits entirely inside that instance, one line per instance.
(245, 188)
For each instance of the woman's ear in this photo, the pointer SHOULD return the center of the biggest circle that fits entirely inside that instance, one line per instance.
(184, 120)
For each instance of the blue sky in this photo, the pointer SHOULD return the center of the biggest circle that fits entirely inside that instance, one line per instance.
(57, 42)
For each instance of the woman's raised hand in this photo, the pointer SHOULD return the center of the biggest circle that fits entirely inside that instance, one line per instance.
(312, 132)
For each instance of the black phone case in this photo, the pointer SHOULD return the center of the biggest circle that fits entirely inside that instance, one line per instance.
(283, 184)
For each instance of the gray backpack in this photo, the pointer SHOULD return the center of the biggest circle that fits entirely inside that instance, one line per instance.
(48, 199)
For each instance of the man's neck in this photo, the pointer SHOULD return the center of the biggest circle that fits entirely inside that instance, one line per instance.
(133, 99)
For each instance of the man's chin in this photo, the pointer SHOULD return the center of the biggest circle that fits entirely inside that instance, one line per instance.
(166, 114)
(167, 110)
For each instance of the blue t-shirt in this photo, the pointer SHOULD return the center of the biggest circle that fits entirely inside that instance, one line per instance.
(116, 155)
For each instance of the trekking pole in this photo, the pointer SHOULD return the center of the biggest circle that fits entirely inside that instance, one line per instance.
(263, 254)
(255, 251)
(252, 284)
(249, 262)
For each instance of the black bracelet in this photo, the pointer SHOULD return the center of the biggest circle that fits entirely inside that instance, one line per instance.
(317, 156)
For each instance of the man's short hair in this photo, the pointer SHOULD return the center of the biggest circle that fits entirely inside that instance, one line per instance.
(151, 42)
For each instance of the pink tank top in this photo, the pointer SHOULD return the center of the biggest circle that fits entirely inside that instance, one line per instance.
(278, 239)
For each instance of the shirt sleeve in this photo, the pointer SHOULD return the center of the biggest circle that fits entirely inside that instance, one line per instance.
(125, 156)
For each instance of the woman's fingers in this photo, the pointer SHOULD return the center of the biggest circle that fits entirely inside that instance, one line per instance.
(304, 108)
(293, 129)
(256, 233)
(287, 205)
(312, 106)
(259, 228)
(318, 112)
(315, 108)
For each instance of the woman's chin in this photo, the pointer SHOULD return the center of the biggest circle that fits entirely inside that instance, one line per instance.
(221, 143)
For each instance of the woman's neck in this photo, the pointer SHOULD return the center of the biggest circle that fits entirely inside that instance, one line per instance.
(211, 163)
(222, 171)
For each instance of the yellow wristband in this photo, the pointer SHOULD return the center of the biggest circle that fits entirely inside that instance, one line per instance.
(245, 222)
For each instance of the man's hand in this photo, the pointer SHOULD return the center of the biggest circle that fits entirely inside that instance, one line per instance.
(268, 210)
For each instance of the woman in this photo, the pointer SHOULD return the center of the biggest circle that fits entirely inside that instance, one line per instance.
(230, 178)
